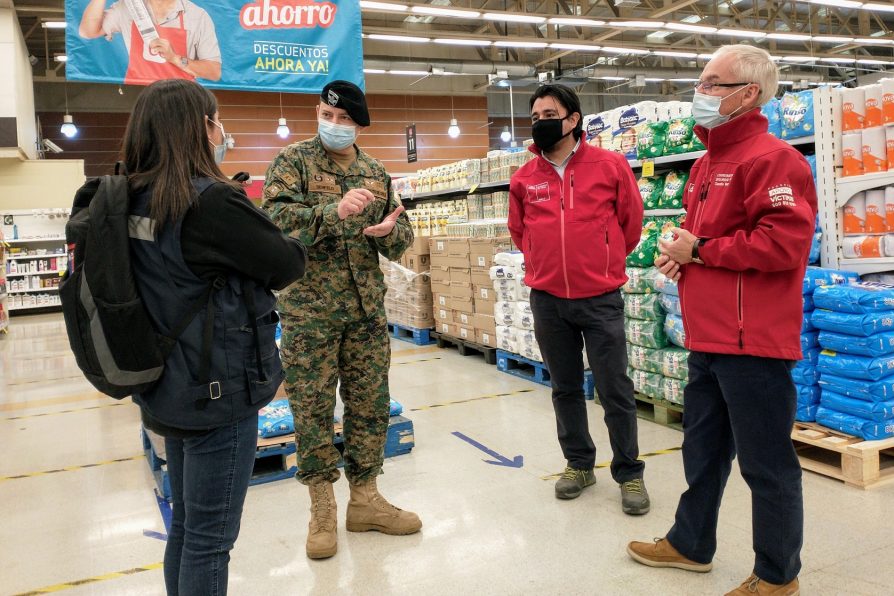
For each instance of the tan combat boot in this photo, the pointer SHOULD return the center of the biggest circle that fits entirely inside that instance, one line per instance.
(368, 510)
(321, 531)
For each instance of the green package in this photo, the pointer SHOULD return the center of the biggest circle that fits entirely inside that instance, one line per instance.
(674, 187)
(679, 136)
(650, 140)
(675, 363)
(643, 306)
(649, 384)
(641, 358)
(647, 250)
(650, 189)
(696, 144)
(637, 281)
(649, 334)
(672, 390)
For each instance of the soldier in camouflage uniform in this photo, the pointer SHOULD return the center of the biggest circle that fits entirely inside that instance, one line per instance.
(338, 201)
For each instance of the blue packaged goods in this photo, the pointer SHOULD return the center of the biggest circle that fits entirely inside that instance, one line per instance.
(861, 297)
(811, 161)
(664, 285)
(805, 373)
(854, 425)
(771, 110)
(806, 413)
(807, 323)
(882, 390)
(673, 328)
(275, 419)
(877, 411)
(855, 367)
(815, 248)
(670, 304)
(809, 340)
(808, 302)
(797, 114)
(862, 325)
(815, 277)
(395, 409)
(808, 394)
(879, 344)
(811, 356)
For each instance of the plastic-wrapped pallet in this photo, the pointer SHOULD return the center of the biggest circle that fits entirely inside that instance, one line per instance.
(408, 300)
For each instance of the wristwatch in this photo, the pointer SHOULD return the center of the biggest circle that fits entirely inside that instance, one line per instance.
(699, 242)
(184, 62)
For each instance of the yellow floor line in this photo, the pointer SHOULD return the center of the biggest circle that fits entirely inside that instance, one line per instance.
(415, 361)
(414, 351)
(606, 464)
(471, 399)
(71, 468)
(111, 405)
(90, 580)
(52, 401)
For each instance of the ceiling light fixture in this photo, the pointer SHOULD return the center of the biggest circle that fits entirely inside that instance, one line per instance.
(405, 38)
(838, 60)
(419, 73)
(874, 41)
(282, 129)
(671, 54)
(53, 24)
(798, 58)
(520, 44)
(838, 3)
(513, 18)
(691, 28)
(374, 71)
(463, 42)
(572, 22)
(788, 36)
(61, 58)
(612, 78)
(616, 50)
(880, 7)
(505, 136)
(446, 12)
(833, 39)
(742, 33)
(68, 126)
(637, 24)
(574, 46)
(383, 6)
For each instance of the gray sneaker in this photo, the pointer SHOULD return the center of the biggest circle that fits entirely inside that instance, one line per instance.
(635, 497)
(573, 482)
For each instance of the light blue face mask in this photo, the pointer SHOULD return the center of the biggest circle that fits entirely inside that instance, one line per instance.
(706, 109)
(336, 136)
(219, 150)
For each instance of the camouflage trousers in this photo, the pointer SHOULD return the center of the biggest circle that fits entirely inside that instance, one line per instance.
(317, 355)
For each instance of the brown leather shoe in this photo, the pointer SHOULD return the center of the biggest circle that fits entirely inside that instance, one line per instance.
(660, 553)
(321, 531)
(368, 510)
(755, 585)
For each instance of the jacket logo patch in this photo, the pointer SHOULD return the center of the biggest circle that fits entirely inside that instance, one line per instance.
(323, 184)
(722, 180)
(781, 196)
(538, 193)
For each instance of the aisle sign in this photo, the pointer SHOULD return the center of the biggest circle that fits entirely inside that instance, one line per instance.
(258, 45)
(411, 143)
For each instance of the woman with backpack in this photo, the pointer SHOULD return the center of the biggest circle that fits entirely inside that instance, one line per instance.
(205, 261)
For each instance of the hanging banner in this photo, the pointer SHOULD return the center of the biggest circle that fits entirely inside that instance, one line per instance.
(295, 46)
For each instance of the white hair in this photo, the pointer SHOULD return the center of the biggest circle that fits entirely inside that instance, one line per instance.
(753, 65)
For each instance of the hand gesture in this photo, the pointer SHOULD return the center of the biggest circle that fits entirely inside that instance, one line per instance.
(354, 202)
(680, 248)
(163, 48)
(668, 268)
(384, 228)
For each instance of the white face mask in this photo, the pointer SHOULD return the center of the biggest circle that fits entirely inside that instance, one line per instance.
(219, 150)
(706, 109)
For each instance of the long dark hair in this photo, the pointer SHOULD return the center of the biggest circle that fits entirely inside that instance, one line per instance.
(166, 145)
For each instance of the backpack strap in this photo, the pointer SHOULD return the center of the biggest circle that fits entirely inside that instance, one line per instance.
(249, 295)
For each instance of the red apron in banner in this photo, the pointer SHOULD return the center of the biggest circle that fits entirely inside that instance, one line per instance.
(146, 67)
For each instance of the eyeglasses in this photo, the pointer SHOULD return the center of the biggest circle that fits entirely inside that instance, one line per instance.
(708, 86)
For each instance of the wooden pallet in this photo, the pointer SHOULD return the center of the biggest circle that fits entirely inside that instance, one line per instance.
(659, 411)
(420, 337)
(466, 348)
(536, 372)
(860, 463)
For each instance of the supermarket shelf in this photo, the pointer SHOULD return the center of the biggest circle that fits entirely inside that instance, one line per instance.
(23, 257)
(866, 266)
(663, 212)
(48, 271)
(479, 189)
(28, 240)
(851, 185)
(692, 156)
(54, 289)
(15, 308)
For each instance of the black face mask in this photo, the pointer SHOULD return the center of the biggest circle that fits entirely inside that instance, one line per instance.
(546, 133)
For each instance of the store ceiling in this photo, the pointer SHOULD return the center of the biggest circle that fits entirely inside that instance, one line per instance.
(611, 41)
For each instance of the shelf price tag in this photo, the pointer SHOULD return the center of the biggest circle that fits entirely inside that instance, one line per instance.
(473, 189)
(648, 167)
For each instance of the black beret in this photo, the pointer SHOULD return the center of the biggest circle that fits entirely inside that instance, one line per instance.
(349, 97)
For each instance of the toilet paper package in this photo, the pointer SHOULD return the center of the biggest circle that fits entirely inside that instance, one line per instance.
(858, 297)
(880, 344)
(855, 214)
(797, 115)
(887, 100)
(523, 316)
(889, 207)
(862, 247)
(665, 113)
(872, 102)
(875, 150)
(855, 367)
(853, 106)
(852, 154)
(889, 145)
(877, 411)
(862, 325)
(506, 338)
(514, 258)
(882, 390)
(876, 222)
(854, 425)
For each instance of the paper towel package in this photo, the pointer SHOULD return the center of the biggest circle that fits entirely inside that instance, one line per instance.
(875, 150)
(889, 144)
(887, 100)
(875, 212)
(862, 247)
(872, 101)
(853, 102)
(852, 154)
(855, 214)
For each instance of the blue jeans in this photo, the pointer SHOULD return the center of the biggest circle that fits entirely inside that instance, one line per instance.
(209, 478)
(745, 406)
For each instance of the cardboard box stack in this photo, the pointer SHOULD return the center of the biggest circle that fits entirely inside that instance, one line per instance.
(409, 300)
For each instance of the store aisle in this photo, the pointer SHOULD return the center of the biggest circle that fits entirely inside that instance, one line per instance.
(487, 529)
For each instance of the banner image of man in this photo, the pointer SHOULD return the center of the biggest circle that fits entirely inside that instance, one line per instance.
(165, 39)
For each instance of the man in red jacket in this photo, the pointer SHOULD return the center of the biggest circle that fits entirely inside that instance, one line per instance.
(576, 213)
(740, 260)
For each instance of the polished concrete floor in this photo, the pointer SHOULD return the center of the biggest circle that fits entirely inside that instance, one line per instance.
(97, 529)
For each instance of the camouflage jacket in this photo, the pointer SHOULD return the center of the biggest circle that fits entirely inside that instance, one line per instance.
(301, 193)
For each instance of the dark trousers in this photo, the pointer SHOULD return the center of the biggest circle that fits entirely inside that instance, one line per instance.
(563, 327)
(209, 479)
(745, 406)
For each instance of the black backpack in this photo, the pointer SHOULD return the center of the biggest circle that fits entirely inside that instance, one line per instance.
(114, 341)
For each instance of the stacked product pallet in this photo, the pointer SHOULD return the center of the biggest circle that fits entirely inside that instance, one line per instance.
(856, 366)
(512, 309)
(463, 291)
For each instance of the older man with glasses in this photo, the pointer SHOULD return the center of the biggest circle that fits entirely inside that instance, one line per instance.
(751, 205)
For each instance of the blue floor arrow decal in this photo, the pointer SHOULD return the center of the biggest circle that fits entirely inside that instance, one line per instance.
(515, 462)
